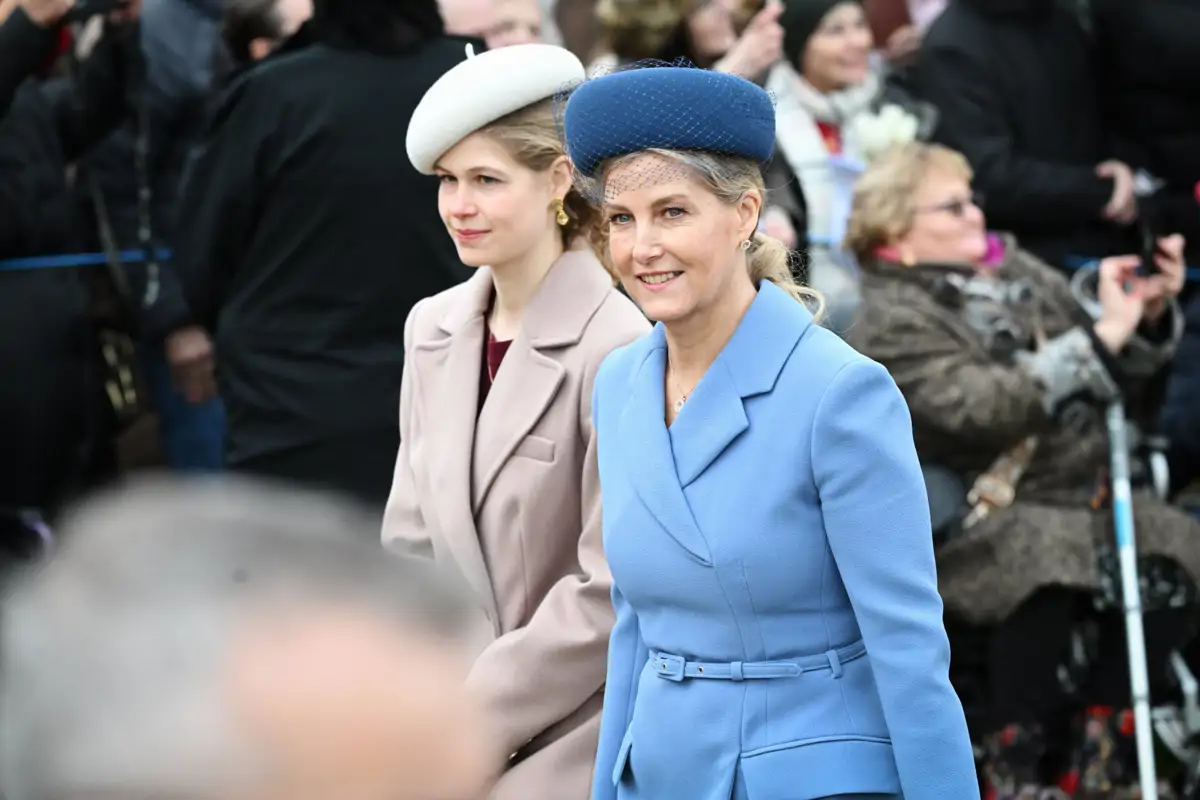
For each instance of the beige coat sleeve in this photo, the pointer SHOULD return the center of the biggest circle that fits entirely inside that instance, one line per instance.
(404, 528)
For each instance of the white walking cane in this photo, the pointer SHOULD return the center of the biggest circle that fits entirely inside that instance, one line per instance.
(1139, 678)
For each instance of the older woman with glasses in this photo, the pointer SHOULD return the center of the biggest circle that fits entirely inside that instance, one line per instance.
(1007, 369)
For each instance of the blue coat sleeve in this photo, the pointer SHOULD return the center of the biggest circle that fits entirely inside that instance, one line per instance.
(627, 655)
(876, 516)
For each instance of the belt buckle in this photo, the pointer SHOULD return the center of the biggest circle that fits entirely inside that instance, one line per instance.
(669, 667)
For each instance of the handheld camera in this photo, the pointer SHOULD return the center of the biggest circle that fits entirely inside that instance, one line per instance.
(1150, 223)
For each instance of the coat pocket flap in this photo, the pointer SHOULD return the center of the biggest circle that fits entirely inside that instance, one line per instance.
(623, 756)
(816, 768)
(537, 448)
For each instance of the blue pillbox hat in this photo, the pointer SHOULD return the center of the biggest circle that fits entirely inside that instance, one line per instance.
(671, 108)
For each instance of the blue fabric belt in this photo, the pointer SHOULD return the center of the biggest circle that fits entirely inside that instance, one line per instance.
(676, 668)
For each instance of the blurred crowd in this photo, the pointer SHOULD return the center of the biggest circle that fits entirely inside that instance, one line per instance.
(211, 237)
(131, 220)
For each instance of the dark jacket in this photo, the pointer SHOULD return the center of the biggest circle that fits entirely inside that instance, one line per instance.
(1149, 65)
(47, 353)
(1181, 410)
(180, 39)
(307, 237)
(23, 46)
(1015, 84)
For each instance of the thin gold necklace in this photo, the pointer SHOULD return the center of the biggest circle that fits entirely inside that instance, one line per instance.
(683, 396)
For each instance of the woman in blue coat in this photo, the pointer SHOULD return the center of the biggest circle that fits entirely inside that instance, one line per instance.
(779, 631)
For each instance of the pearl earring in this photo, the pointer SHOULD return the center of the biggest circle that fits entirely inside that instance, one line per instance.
(746, 245)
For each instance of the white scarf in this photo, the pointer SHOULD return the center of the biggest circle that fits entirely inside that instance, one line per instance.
(798, 109)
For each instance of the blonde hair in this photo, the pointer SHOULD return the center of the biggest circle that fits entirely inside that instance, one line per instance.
(530, 136)
(638, 29)
(729, 178)
(884, 205)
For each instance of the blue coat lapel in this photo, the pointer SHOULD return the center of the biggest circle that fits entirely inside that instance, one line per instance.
(749, 365)
(710, 420)
(662, 462)
(646, 451)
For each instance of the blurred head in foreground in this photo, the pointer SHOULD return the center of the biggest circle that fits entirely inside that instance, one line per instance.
(228, 641)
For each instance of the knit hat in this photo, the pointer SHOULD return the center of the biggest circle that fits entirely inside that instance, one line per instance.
(800, 21)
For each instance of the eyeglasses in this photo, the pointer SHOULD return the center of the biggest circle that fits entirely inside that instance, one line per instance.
(956, 207)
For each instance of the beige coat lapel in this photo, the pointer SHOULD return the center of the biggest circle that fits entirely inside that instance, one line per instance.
(530, 375)
(449, 367)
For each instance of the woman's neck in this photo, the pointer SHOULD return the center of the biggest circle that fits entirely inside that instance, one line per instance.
(822, 86)
(837, 105)
(515, 282)
(694, 343)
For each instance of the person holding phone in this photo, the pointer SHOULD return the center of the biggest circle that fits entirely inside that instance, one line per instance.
(1008, 372)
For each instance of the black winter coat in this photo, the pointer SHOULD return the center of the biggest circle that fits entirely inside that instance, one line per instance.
(49, 391)
(1150, 81)
(1015, 84)
(306, 237)
(180, 39)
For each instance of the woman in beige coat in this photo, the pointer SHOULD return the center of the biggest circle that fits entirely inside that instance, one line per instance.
(496, 474)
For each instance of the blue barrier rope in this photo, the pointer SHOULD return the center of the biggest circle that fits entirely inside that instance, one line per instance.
(77, 260)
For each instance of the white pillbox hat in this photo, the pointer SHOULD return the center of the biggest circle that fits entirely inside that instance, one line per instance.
(481, 90)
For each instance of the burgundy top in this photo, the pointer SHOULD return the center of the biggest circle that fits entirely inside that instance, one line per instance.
(493, 354)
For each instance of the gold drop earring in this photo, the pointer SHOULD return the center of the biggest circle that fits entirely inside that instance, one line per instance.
(560, 213)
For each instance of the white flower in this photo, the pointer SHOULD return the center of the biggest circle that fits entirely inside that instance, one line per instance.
(873, 133)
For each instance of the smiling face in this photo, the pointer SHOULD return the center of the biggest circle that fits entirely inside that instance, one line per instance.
(497, 210)
(676, 245)
(838, 53)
